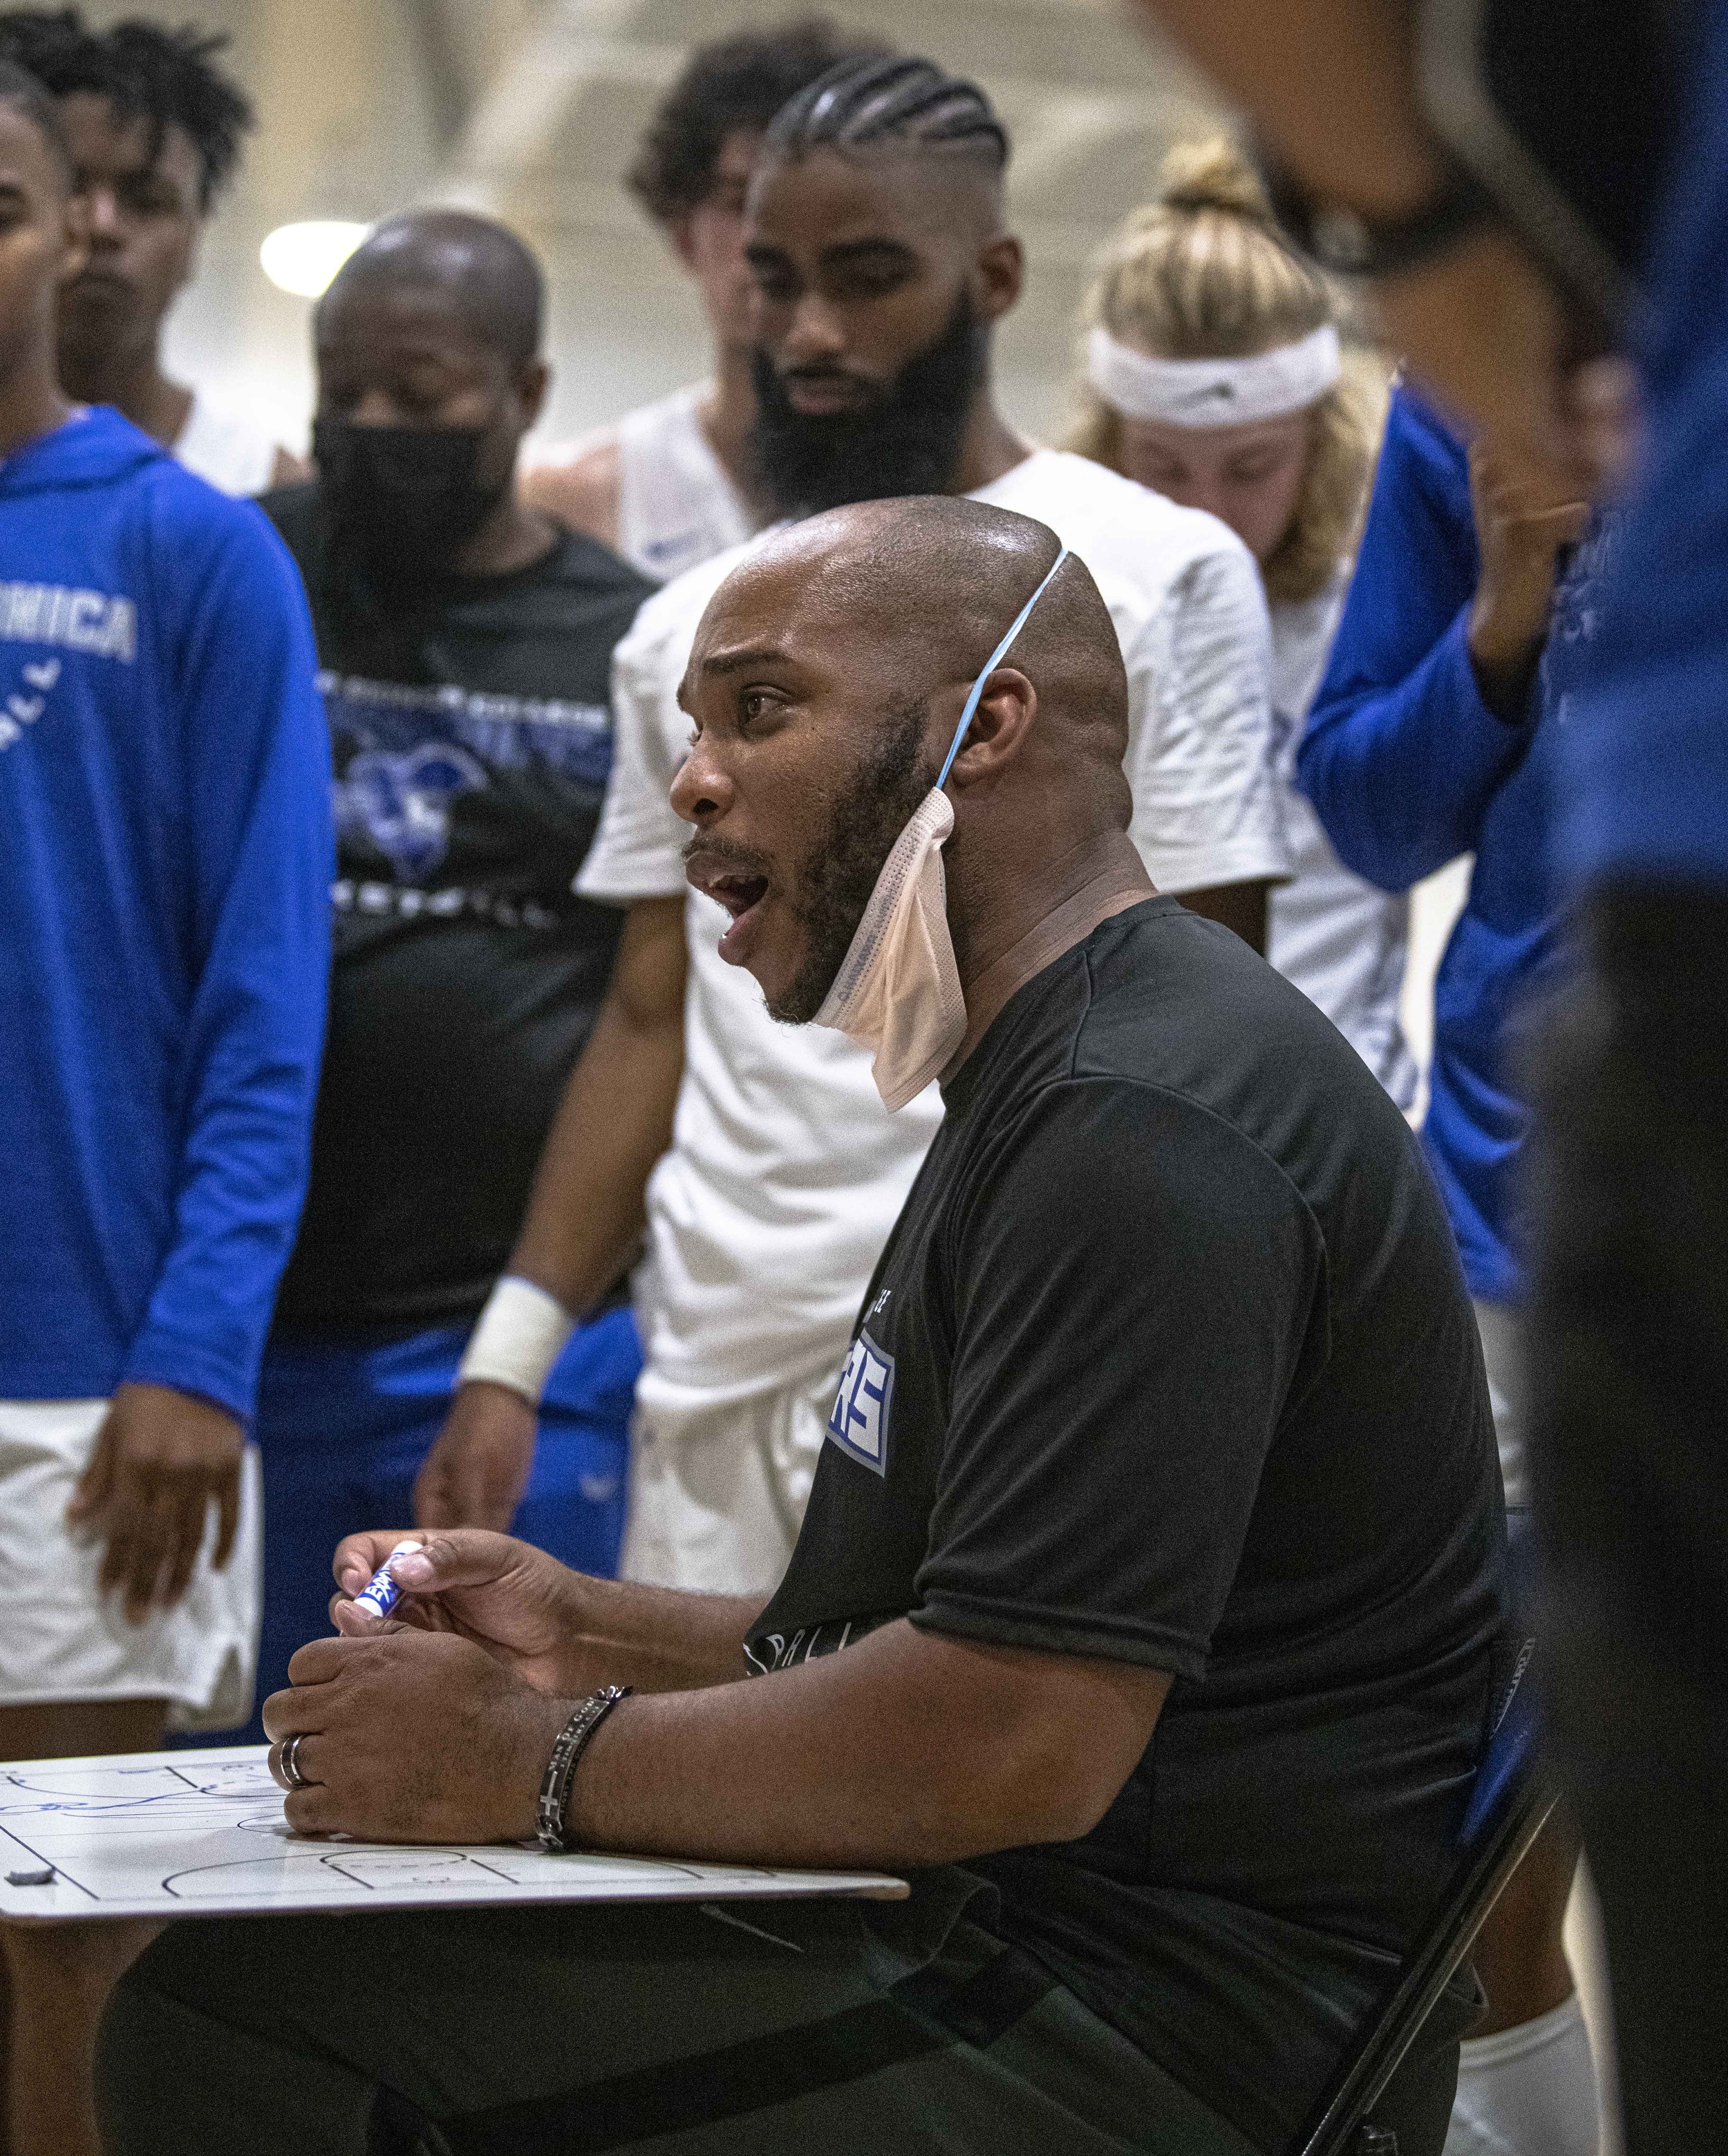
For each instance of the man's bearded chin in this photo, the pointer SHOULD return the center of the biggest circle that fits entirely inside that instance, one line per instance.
(836, 880)
(907, 442)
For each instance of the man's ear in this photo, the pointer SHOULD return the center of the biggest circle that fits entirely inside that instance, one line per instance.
(1000, 273)
(680, 238)
(189, 264)
(1004, 713)
(75, 248)
(532, 380)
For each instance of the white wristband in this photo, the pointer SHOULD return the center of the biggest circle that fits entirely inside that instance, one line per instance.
(521, 1334)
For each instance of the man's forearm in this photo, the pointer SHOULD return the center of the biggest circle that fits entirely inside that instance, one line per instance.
(1400, 777)
(1331, 82)
(908, 1748)
(585, 1214)
(657, 1638)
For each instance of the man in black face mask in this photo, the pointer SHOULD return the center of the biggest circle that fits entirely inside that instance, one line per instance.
(466, 642)
(429, 376)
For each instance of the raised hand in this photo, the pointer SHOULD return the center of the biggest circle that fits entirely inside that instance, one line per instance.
(1522, 523)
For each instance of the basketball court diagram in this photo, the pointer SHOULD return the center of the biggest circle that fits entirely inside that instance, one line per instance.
(193, 1833)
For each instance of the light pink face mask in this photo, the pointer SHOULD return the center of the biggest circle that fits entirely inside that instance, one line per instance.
(897, 991)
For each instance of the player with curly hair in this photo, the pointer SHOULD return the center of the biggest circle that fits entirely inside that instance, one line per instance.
(671, 482)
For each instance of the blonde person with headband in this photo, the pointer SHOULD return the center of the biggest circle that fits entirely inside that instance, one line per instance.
(1213, 374)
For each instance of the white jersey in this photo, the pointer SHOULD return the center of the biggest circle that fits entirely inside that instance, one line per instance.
(676, 505)
(785, 1173)
(1342, 941)
(229, 448)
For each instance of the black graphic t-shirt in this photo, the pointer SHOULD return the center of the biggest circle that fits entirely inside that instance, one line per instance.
(1169, 1360)
(471, 738)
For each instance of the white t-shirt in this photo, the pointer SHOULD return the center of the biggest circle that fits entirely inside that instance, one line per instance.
(785, 1172)
(228, 448)
(1342, 941)
(676, 505)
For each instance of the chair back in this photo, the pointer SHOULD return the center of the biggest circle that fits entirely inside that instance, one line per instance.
(1509, 1802)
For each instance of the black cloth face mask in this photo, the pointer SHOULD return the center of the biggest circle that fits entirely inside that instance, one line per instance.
(404, 499)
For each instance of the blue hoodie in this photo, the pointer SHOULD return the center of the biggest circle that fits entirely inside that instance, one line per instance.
(1407, 768)
(1644, 770)
(165, 865)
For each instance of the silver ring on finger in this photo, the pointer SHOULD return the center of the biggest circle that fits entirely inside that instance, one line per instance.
(288, 1761)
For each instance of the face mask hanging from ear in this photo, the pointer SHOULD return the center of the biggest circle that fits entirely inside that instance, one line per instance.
(897, 991)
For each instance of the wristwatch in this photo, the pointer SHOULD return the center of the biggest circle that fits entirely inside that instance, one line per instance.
(1349, 242)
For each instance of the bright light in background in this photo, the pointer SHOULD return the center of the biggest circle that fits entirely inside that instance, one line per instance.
(303, 258)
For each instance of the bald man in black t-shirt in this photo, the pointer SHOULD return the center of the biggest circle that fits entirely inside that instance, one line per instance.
(1145, 1607)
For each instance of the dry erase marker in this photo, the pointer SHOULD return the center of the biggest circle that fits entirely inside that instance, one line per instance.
(380, 1595)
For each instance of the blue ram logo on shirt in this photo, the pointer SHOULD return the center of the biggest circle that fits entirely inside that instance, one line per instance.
(858, 1422)
(401, 802)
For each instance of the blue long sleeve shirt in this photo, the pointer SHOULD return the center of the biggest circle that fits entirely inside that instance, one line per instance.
(1644, 768)
(165, 865)
(1407, 768)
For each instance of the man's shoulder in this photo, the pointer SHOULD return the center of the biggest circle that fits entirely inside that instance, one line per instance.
(595, 456)
(586, 566)
(1178, 1003)
(196, 530)
(581, 483)
(237, 452)
(294, 510)
(1416, 436)
(578, 484)
(666, 627)
(189, 501)
(1116, 526)
(1159, 1064)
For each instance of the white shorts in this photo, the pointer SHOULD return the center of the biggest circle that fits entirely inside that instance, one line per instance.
(1501, 1330)
(718, 1487)
(61, 1639)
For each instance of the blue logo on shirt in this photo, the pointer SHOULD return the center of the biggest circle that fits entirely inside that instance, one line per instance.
(663, 550)
(401, 803)
(858, 1422)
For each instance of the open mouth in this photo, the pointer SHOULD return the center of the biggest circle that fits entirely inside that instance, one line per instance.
(737, 893)
(740, 890)
(821, 396)
(99, 285)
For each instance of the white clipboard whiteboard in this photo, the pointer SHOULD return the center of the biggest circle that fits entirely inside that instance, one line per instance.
(201, 1834)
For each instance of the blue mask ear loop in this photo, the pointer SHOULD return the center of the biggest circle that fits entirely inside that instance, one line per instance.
(990, 665)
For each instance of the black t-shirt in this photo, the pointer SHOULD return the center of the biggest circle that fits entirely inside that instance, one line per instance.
(1169, 1360)
(472, 738)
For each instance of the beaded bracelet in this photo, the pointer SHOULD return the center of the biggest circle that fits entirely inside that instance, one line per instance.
(572, 1742)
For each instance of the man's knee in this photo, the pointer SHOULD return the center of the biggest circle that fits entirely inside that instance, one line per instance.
(146, 2060)
(173, 2074)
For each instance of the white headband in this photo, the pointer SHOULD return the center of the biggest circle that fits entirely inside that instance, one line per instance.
(1212, 393)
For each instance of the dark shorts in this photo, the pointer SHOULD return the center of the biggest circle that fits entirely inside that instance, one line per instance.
(754, 2029)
